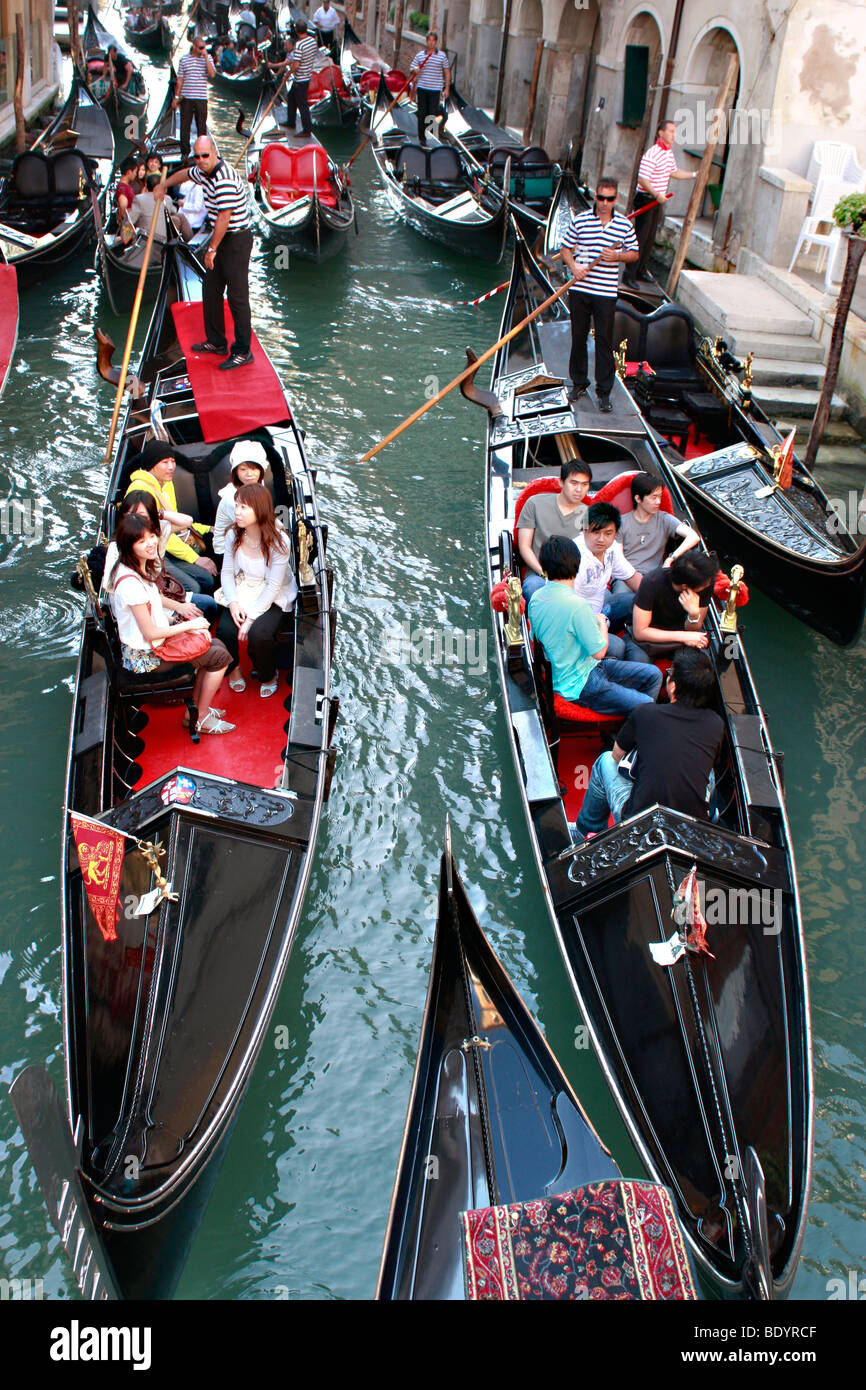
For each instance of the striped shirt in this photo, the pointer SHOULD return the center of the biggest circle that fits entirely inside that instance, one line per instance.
(586, 238)
(432, 78)
(304, 53)
(656, 167)
(193, 69)
(224, 189)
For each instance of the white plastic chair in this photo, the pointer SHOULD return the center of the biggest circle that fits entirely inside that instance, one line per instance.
(834, 161)
(819, 229)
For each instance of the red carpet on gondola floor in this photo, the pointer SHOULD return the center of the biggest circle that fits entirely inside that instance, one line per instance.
(228, 403)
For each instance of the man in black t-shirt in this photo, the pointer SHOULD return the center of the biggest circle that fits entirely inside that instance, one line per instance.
(677, 745)
(671, 604)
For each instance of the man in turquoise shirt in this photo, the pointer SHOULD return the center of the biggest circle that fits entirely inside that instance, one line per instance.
(575, 641)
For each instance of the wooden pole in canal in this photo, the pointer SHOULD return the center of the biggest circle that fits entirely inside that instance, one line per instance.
(533, 91)
(719, 105)
(856, 248)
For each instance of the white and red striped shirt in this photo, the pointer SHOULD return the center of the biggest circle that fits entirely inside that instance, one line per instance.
(656, 167)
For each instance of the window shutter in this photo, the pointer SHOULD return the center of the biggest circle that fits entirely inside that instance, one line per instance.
(635, 83)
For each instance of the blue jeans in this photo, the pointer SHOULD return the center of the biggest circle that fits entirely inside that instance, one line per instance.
(531, 583)
(206, 604)
(606, 795)
(618, 687)
(625, 648)
(617, 608)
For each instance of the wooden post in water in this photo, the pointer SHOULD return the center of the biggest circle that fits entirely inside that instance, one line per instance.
(351, 11)
(697, 197)
(503, 54)
(856, 247)
(398, 31)
(18, 98)
(533, 91)
(74, 35)
(443, 30)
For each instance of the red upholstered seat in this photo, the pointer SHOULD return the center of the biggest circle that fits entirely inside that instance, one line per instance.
(326, 80)
(532, 490)
(396, 81)
(618, 491)
(588, 718)
(313, 173)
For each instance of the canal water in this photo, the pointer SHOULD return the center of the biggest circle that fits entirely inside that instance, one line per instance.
(300, 1207)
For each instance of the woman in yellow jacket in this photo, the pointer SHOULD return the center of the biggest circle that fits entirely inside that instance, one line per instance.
(183, 561)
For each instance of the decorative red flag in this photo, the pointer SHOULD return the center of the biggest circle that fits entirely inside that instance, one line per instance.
(100, 854)
(784, 470)
(687, 911)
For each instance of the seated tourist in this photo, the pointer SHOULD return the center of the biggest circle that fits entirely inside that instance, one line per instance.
(191, 202)
(677, 745)
(228, 59)
(601, 562)
(547, 514)
(646, 530)
(144, 504)
(184, 557)
(140, 614)
(141, 213)
(671, 604)
(127, 188)
(249, 464)
(258, 586)
(576, 641)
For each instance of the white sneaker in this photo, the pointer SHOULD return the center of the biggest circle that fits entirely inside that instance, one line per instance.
(212, 724)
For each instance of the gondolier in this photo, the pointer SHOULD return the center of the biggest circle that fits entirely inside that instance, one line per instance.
(193, 71)
(300, 63)
(592, 249)
(431, 75)
(327, 21)
(227, 258)
(656, 169)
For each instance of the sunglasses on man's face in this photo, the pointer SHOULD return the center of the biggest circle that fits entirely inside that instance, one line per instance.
(605, 197)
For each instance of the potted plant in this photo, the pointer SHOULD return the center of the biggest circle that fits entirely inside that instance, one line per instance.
(850, 214)
(419, 21)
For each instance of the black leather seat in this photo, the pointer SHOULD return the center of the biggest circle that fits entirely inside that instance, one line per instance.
(410, 165)
(30, 181)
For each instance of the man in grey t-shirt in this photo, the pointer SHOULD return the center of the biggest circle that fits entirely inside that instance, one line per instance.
(645, 531)
(548, 514)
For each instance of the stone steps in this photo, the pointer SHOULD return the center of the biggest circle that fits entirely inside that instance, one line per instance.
(737, 304)
(788, 347)
(795, 401)
(778, 371)
(838, 434)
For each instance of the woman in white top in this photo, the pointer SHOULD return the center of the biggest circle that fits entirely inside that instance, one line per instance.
(258, 585)
(249, 463)
(140, 614)
(163, 523)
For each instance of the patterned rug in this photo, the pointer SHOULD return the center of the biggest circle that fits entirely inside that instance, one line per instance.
(607, 1240)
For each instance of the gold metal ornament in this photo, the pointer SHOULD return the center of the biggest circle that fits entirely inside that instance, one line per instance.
(305, 546)
(619, 357)
(513, 631)
(728, 621)
(152, 853)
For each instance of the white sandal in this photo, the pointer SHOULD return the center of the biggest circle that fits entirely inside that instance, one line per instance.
(218, 712)
(236, 681)
(270, 688)
(212, 724)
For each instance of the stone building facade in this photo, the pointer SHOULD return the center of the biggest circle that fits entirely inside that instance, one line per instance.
(801, 77)
(42, 60)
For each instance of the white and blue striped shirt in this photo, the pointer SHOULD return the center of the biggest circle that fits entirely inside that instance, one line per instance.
(587, 237)
(432, 77)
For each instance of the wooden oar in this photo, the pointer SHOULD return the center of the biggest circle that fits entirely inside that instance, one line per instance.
(385, 113)
(158, 207)
(471, 369)
(257, 128)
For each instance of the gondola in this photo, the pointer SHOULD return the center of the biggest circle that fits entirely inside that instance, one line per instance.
(8, 318)
(334, 102)
(493, 1122)
(163, 1025)
(152, 30)
(52, 195)
(432, 190)
(120, 265)
(299, 196)
(119, 102)
(709, 1061)
(533, 177)
(794, 544)
(248, 82)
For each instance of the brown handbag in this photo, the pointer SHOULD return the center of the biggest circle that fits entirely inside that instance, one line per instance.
(170, 587)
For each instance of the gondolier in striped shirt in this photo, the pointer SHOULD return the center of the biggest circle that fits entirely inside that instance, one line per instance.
(657, 167)
(593, 248)
(190, 94)
(227, 259)
(300, 62)
(432, 75)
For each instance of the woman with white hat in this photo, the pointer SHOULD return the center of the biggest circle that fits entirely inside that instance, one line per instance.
(249, 464)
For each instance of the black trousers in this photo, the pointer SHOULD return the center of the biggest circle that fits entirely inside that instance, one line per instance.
(429, 104)
(262, 639)
(188, 109)
(645, 228)
(600, 310)
(230, 274)
(296, 101)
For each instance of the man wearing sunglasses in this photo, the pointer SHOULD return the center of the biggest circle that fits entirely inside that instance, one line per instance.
(593, 248)
(190, 95)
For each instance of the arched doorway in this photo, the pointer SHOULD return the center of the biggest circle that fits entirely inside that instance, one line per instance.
(526, 26)
(706, 69)
(567, 81)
